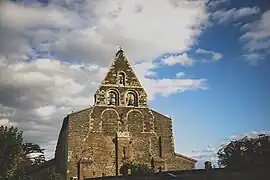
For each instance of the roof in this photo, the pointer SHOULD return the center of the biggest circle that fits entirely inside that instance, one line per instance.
(44, 165)
(185, 157)
(80, 111)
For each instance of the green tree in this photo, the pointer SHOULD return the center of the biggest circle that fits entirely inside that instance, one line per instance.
(15, 155)
(30, 148)
(246, 153)
(11, 150)
(52, 174)
(136, 168)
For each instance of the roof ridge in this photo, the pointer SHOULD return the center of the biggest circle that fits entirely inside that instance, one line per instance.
(184, 156)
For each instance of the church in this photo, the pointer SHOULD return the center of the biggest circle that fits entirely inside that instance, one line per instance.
(118, 128)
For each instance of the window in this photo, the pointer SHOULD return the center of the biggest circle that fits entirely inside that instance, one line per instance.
(121, 78)
(112, 98)
(124, 152)
(160, 147)
(94, 173)
(131, 99)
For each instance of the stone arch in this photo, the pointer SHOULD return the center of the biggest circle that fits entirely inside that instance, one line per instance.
(110, 119)
(148, 124)
(135, 120)
(131, 98)
(112, 97)
(110, 109)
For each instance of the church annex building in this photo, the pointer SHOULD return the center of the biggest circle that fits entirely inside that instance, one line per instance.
(119, 127)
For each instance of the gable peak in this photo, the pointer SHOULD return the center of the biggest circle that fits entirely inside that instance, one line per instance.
(120, 53)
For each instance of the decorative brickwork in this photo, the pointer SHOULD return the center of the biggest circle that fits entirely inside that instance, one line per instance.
(87, 142)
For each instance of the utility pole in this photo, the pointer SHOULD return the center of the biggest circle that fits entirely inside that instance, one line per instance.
(116, 154)
(79, 169)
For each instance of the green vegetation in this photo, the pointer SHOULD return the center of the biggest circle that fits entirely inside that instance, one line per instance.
(15, 155)
(135, 169)
(246, 153)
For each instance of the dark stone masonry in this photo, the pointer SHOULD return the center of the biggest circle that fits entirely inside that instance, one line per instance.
(87, 141)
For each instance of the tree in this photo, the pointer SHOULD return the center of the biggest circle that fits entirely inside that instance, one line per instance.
(246, 153)
(15, 155)
(10, 151)
(30, 149)
(52, 174)
(136, 168)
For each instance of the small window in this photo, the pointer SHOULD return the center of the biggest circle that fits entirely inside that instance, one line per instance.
(94, 173)
(103, 174)
(121, 78)
(124, 152)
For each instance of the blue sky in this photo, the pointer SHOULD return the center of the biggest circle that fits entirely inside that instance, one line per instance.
(237, 99)
(204, 63)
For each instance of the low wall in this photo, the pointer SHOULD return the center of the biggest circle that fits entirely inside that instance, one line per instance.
(199, 174)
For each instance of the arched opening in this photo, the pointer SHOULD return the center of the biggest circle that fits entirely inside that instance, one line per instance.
(131, 99)
(112, 98)
(121, 78)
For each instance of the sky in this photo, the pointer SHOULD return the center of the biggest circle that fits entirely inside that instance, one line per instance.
(204, 63)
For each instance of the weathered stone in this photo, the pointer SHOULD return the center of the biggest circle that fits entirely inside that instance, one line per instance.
(87, 139)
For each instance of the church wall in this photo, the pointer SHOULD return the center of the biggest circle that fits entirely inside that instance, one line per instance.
(61, 150)
(183, 164)
(95, 140)
(78, 128)
(163, 129)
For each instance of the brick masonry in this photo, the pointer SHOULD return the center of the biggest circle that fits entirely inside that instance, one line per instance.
(86, 141)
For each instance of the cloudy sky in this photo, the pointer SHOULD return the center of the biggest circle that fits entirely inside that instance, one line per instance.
(204, 63)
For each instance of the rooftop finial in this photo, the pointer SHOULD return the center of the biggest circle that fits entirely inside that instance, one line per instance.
(120, 51)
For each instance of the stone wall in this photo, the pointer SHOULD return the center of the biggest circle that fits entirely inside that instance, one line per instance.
(94, 144)
(61, 150)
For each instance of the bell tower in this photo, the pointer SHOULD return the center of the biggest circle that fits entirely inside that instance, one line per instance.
(121, 87)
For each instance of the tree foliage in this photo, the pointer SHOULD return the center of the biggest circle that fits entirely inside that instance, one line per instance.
(11, 151)
(136, 168)
(15, 155)
(246, 153)
(52, 174)
(30, 149)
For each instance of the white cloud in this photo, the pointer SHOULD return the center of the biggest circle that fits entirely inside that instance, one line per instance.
(215, 3)
(7, 122)
(256, 39)
(215, 56)
(253, 58)
(180, 74)
(222, 16)
(182, 59)
(53, 58)
(45, 111)
(167, 87)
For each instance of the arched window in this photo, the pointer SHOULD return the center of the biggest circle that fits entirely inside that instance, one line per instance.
(121, 78)
(131, 99)
(112, 98)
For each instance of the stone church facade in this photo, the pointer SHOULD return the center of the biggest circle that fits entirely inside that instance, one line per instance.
(119, 127)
